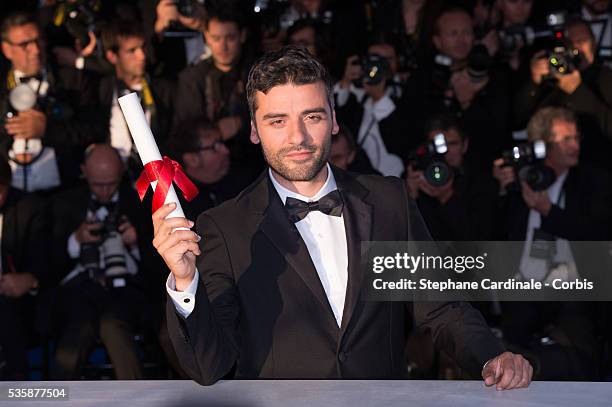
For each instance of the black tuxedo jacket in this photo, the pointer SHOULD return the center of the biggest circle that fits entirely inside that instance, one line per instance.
(586, 217)
(162, 91)
(261, 304)
(23, 235)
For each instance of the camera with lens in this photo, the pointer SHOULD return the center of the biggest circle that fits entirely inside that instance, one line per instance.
(528, 162)
(429, 158)
(479, 62)
(375, 69)
(78, 17)
(106, 257)
(562, 58)
(185, 7)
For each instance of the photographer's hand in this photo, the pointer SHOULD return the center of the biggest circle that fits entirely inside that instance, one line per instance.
(491, 41)
(352, 71)
(128, 233)
(16, 285)
(503, 174)
(166, 13)
(569, 83)
(539, 67)
(28, 124)
(86, 232)
(536, 200)
(464, 88)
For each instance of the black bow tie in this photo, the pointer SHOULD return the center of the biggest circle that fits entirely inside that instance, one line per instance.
(26, 79)
(95, 205)
(330, 204)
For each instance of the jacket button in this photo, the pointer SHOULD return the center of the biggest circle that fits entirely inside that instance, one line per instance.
(342, 356)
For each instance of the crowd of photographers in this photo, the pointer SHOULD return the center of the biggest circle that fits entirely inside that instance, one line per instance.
(496, 113)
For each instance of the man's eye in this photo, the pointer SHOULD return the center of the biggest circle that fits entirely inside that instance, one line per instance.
(314, 118)
(278, 122)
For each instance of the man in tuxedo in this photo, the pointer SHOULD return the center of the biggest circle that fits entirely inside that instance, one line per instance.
(273, 284)
(124, 42)
(95, 254)
(23, 271)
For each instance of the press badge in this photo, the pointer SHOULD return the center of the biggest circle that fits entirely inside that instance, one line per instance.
(543, 245)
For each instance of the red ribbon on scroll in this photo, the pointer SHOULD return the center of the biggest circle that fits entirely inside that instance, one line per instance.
(164, 172)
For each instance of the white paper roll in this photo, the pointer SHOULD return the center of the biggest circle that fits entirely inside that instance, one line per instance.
(145, 143)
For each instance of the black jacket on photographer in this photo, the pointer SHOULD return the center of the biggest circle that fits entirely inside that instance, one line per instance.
(156, 101)
(585, 216)
(70, 208)
(69, 105)
(469, 213)
(592, 102)
(396, 130)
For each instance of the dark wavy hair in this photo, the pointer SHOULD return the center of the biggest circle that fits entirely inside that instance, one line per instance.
(290, 64)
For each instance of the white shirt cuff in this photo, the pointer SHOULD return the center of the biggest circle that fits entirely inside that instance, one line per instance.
(74, 247)
(184, 301)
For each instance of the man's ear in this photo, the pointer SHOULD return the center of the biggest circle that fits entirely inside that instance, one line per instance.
(7, 50)
(254, 135)
(111, 57)
(335, 126)
(84, 170)
(243, 36)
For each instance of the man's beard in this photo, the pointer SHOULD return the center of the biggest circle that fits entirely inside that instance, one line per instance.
(300, 172)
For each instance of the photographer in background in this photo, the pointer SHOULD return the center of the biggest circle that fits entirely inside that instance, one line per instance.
(23, 274)
(462, 206)
(213, 89)
(575, 207)
(460, 81)
(374, 110)
(124, 42)
(96, 245)
(586, 88)
(46, 114)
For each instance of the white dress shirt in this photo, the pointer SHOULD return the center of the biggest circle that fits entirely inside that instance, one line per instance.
(325, 239)
(43, 173)
(370, 139)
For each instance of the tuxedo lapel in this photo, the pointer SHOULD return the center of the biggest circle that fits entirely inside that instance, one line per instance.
(287, 239)
(357, 215)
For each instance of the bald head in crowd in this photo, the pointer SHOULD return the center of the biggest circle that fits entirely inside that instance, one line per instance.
(103, 170)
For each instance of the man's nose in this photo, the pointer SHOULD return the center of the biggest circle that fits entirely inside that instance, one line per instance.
(297, 132)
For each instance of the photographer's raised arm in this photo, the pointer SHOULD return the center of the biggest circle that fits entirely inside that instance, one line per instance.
(206, 341)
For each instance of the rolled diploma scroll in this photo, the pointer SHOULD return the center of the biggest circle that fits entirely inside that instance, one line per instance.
(145, 143)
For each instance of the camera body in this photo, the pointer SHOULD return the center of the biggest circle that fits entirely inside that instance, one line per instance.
(375, 69)
(106, 257)
(528, 162)
(185, 7)
(79, 17)
(479, 62)
(429, 158)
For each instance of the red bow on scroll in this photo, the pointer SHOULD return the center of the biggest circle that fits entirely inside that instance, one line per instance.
(164, 172)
